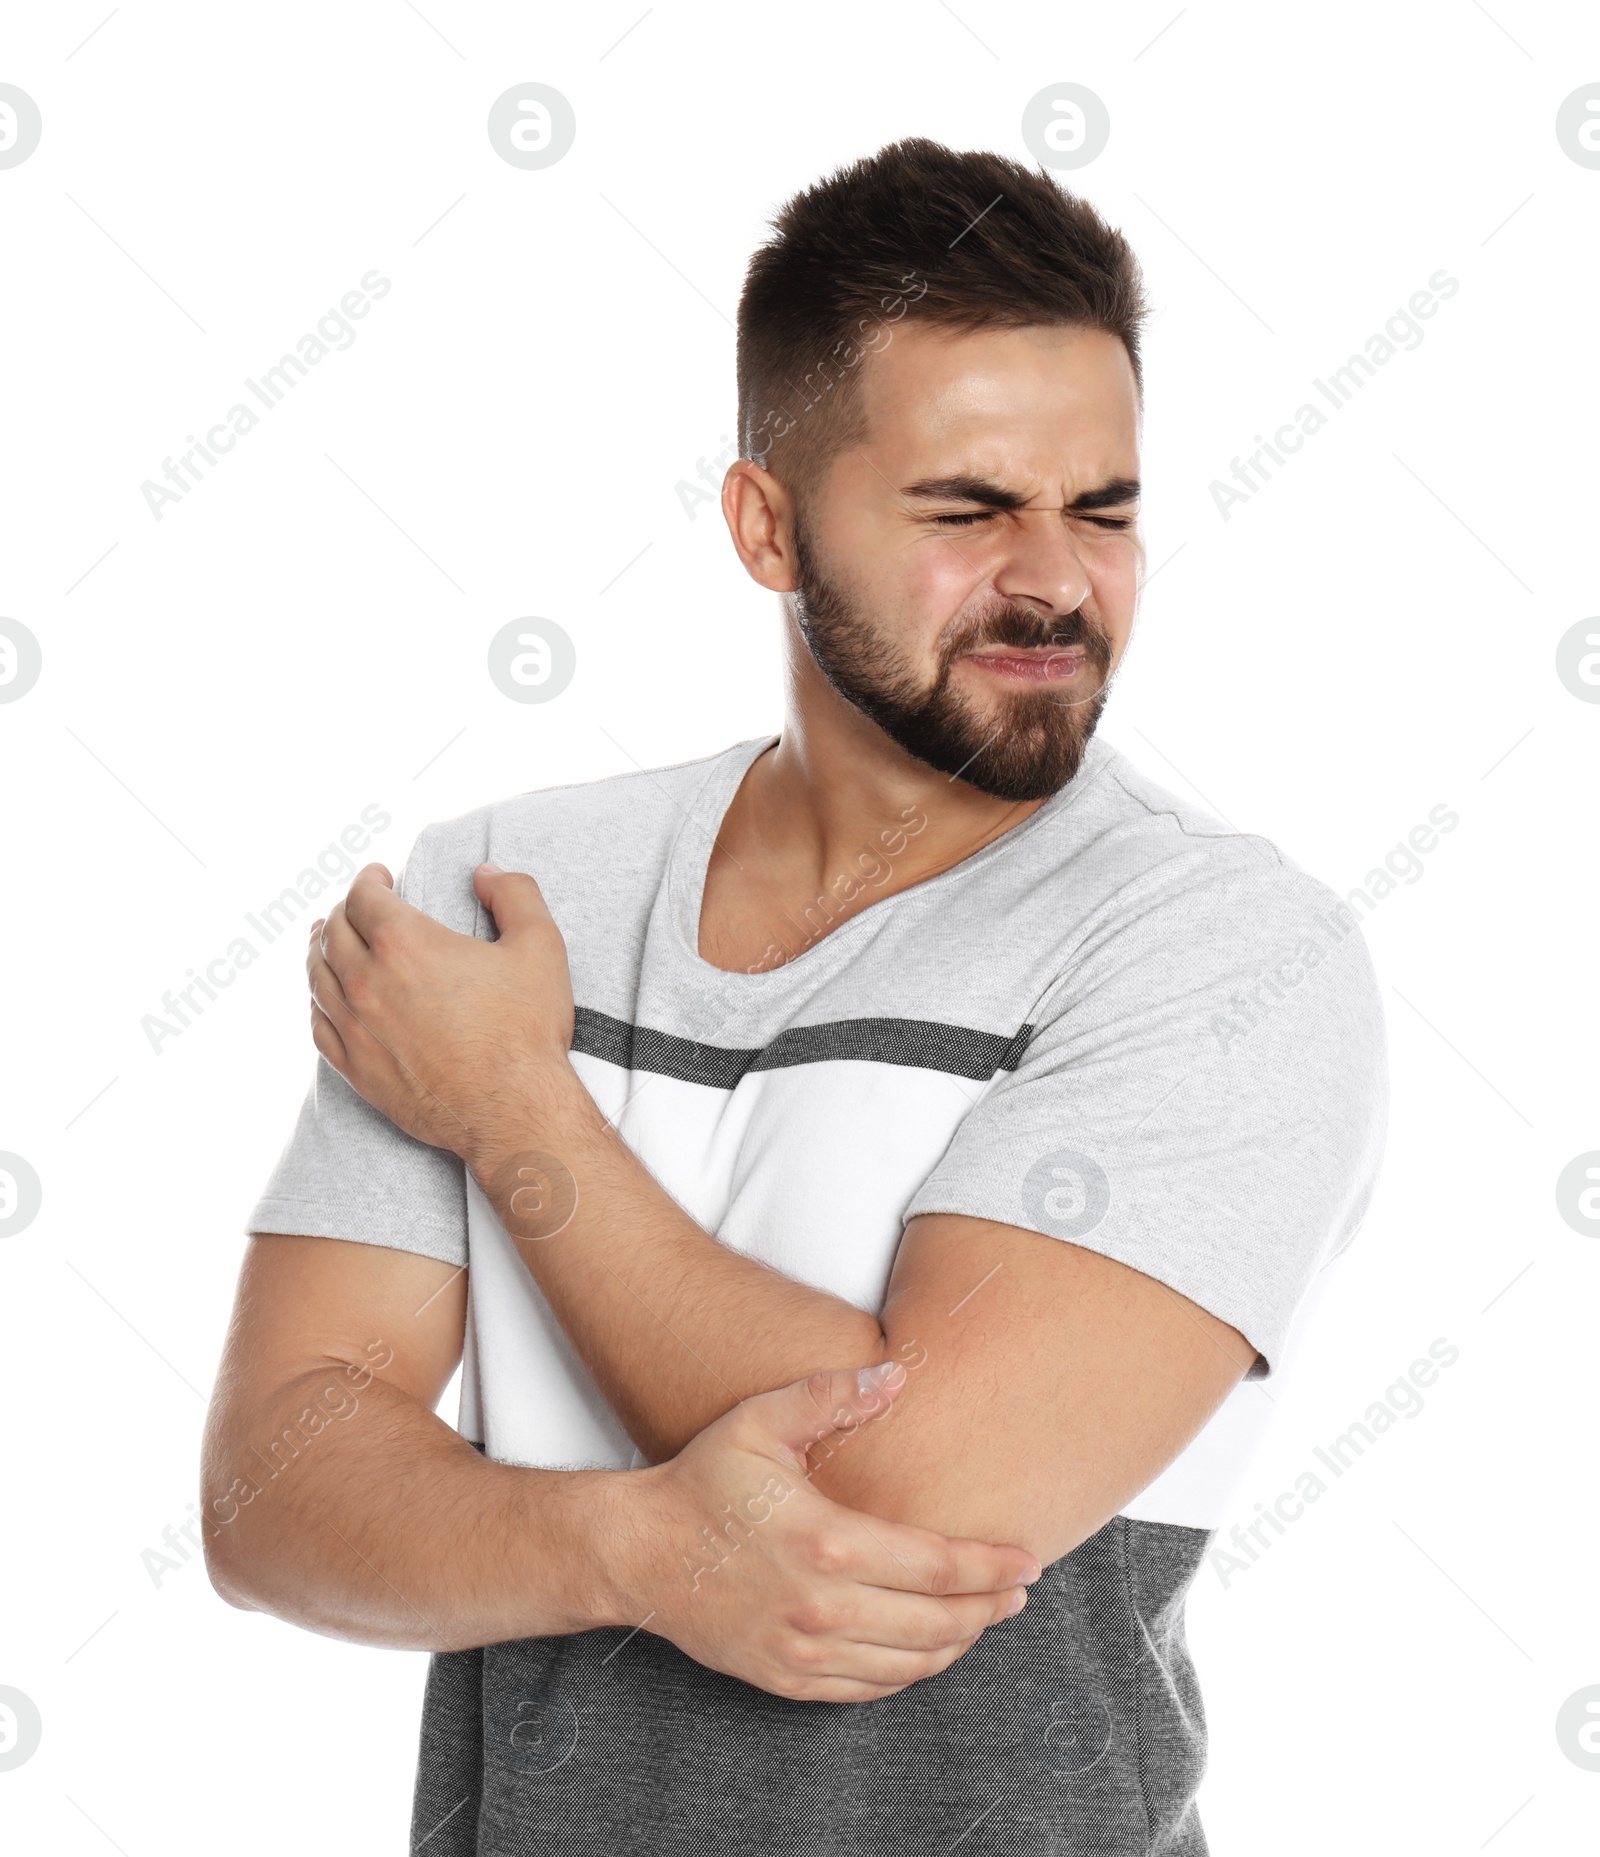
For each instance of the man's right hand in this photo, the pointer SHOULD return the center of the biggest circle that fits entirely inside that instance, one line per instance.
(728, 1551)
(333, 1497)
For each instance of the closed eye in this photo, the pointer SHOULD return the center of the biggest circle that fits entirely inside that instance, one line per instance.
(967, 518)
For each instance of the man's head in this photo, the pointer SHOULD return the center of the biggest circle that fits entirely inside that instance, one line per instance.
(939, 396)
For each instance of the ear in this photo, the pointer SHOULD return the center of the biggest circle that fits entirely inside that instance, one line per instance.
(759, 512)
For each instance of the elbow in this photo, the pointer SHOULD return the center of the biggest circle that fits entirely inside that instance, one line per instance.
(229, 1592)
(228, 1570)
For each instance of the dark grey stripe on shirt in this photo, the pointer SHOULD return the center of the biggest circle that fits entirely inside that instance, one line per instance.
(919, 1044)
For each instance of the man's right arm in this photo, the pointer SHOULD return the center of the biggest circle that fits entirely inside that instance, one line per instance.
(334, 1497)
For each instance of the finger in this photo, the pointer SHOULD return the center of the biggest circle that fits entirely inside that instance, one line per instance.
(330, 996)
(859, 1673)
(325, 1036)
(835, 1689)
(906, 1558)
(793, 1418)
(341, 946)
(326, 929)
(327, 989)
(371, 902)
(513, 898)
(912, 1622)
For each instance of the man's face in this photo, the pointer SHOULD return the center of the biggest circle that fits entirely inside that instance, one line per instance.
(968, 573)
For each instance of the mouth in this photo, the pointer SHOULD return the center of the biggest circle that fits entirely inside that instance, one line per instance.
(1051, 664)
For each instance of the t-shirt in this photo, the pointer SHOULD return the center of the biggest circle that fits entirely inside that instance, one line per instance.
(1120, 1023)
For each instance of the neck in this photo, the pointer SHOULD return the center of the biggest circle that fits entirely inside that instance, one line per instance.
(837, 796)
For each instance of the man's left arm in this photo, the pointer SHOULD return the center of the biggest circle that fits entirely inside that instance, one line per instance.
(1051, 1380)
(1048, 1384)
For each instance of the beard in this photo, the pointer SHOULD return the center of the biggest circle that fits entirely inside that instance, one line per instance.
(1027, 749)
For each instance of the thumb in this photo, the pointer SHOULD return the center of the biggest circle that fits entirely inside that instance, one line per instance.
(511, 897)
(835, 1400)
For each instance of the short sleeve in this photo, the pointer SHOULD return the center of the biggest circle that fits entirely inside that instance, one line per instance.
(1204, 1096)
(348, 1172)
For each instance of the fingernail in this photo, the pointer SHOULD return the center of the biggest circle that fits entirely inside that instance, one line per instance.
(874, 1379)
(1016, 1605)
(492, 869)
(1029, 1578)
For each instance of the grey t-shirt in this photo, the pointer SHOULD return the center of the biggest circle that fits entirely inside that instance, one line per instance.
(1120, 1024)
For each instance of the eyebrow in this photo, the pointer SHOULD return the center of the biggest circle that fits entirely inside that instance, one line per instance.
(963, 488)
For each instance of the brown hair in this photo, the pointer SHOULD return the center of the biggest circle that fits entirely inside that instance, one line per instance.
(921, 232)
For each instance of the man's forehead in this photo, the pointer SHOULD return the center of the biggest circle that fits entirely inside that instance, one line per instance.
(922, 357)
(981, 399)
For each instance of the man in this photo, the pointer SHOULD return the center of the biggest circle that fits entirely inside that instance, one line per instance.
(928, 1033)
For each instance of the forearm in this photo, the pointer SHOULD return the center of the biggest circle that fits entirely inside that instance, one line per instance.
(674, 1327)
(384, 1527)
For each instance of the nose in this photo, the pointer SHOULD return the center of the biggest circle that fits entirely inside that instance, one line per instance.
(1039, 564)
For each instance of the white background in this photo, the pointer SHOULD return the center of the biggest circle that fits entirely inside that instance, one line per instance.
(1369, 637)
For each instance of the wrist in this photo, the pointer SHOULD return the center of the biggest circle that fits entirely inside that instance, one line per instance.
(608, 1546)
(541, 1099)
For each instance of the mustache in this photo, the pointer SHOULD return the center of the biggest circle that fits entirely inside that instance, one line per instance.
(1026, 630)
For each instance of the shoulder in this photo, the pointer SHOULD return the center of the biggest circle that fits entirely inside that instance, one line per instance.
(1189, 907)
(1130, 822)
(1152, 847)
(622, 823)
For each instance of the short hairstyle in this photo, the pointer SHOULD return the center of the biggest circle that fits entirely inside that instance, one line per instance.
(923, 233)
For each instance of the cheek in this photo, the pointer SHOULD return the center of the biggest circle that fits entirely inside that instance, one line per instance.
(1116, 562)
(941, 578)
(909, 597)
(1116, 570)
